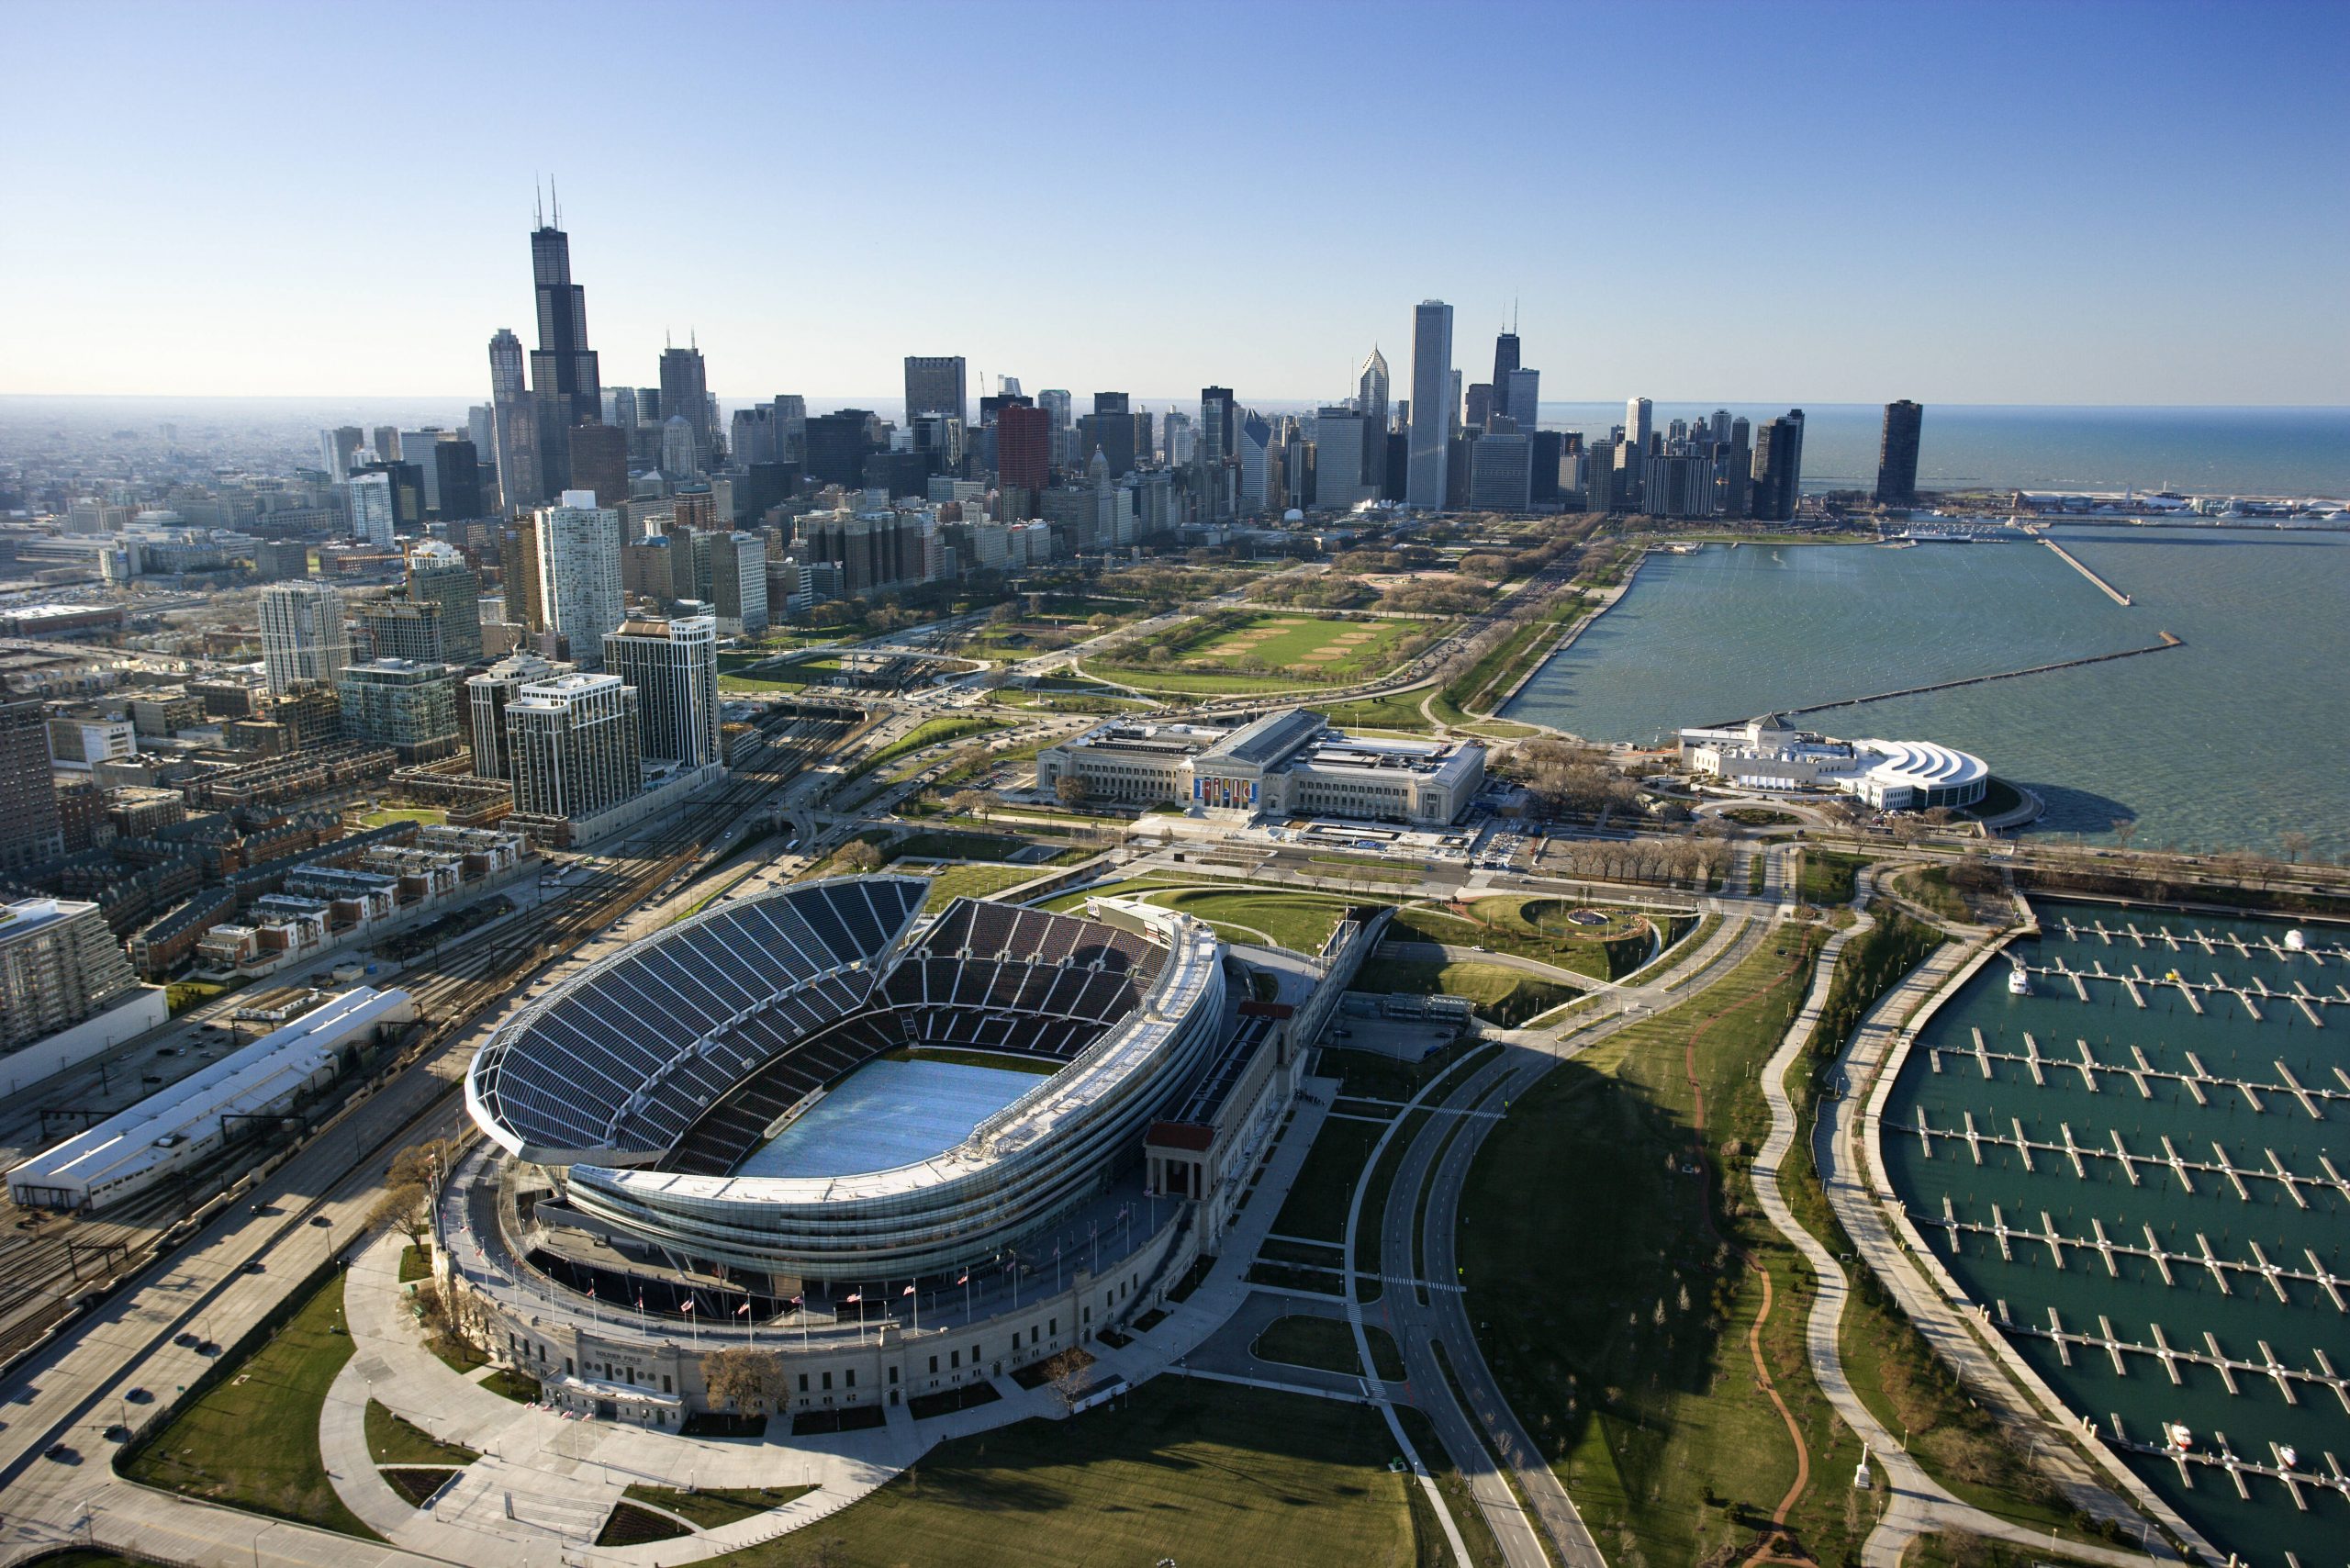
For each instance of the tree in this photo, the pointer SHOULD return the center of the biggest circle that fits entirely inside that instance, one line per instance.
(2294, 844)
(1070, 790)
(747, 1379)
(1065, 1374)
(970, 803)
(860, 856)
(2124, 830)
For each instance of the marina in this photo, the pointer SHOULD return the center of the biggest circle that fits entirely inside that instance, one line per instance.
(2126, 1144)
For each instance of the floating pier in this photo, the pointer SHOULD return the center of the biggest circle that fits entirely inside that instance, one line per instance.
(2261, 1268)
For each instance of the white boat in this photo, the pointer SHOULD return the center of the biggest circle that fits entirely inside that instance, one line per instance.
(2295, 942)
(2176, 1435)
(2019, 980)
(2287, 1458)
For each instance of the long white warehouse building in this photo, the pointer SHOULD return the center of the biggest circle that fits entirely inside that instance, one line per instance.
(184, 1123)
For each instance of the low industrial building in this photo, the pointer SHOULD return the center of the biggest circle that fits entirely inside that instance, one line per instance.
(180, 1126)
(1891, 776)
(1290, 763)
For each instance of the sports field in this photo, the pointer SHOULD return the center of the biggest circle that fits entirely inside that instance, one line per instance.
(1263, 651)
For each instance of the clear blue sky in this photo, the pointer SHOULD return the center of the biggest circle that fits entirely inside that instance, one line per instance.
(1969, 202)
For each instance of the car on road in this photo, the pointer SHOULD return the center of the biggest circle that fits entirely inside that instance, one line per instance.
(61, 1452)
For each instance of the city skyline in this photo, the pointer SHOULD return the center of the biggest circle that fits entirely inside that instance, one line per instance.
(2000, 230)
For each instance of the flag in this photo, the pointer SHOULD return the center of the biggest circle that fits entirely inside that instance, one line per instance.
(742, 1309)
(908, 1291)
(966, 1279)
(795, 1301)
(640, 1301)
(688, 1304)
(852, 1297)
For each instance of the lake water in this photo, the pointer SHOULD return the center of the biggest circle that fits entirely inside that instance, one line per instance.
(2232, 740)
(2183, 1210)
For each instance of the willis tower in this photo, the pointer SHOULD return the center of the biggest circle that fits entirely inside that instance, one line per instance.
(563, 368)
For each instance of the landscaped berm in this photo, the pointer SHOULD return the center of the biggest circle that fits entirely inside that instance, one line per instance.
(1209, 1475)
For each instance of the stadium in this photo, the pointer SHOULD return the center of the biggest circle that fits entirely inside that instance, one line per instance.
(787, 1109)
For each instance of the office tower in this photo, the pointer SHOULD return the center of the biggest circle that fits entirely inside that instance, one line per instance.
(677, 446)
(1500, 472)
(738, 583)
(1733, 471)
(515, 447)
(1256, 461)
(1023, 447)
(439, 574)
(1432, 382)
(1110, 433)
(836, 445)
(374, 507)
(571, 744)
(1719, 426)
(1341, 435)
(1106, 403)
(1479, 414)
(1896, 454)
(672, 663)
(456, 467)
(282, 560)
(685, 393)
(1520, 397)
(566, 385)
(751, 436)
(1452, 409)
(1179, 439)
(1778, 468)
(1227, 413)
(58, 965)
(599, 463)
(934, 384)
(1056, 401)
(487, 696)
(579, 573)
(481, 429)
(32, 831)
(1599, 489)
(387, 444)
(302, 636)
(407, 704)
(1549, 460)
(339, 448)
(1639, 417)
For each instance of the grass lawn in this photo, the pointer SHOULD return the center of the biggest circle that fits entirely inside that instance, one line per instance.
(1931, 886)
(392, 1440)
(628, 1525)
(1396, 711)
(252, 1441)
(181, 995)
(1827, 877)
(1327, 1344)
(714, 1507)
(1207, 1474)
(1316, 1205)
(1269, 651)
(975, 882)
(384, 816)
(1503, 996)
(508, 1383)
(415, 1263)
(1301, 922)
(1534, 928)
(1619, 1329)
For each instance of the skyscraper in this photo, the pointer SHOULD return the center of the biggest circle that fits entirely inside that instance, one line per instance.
(673, 665)
(1370, 402)
(515, 418)
(738, 583)
(1778, 468)
(457, 476)
(1339, 460)
(685, 393)
(59, 964)
(572, 744)
(579, 573)
(339, 448)
(485, 697)
(302, 636)
(565, 381)
(1023, 446)
(375, 508)
(32, 831)
(935, 384)
(1639, 421)
(1432, 397)
(600, 462)
(1520, 397)
(1505, 360)
(1896, 454)
(1480, 410)
(439, 574)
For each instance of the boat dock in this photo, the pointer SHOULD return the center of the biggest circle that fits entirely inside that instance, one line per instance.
(2171, 1160)
(2140, 986)
(2073, 561)
(2260, 1271)
(2140, 1071)
(2288, 1379)
(2237, 1470)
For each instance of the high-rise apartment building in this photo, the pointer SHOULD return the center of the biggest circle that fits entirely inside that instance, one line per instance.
(1778, 468)
(1896, 454)
(58, 965)
(1432, 399)
(514, 418)
(400, 628)
(579, 573)
(486, 695)
(519, 574)
(339, 449)
(738, 583)
(373, 504)
(672, 664)
(302, 635)
(440, 576)
(407, 704)
(935, 384)
(32, 831)
(572, 746)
